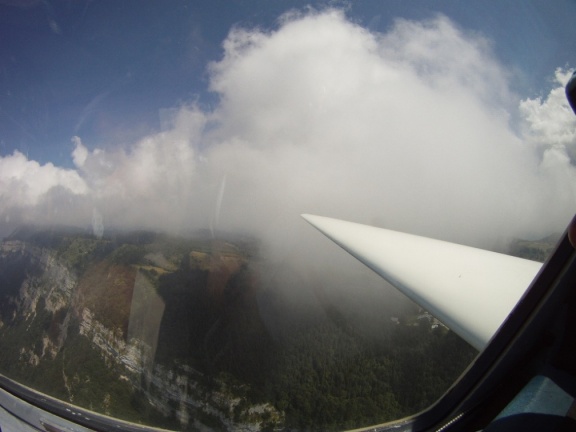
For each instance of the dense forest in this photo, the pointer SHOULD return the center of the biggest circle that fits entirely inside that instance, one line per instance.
(325, 374)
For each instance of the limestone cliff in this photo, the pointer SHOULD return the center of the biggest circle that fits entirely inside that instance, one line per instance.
(84, 318)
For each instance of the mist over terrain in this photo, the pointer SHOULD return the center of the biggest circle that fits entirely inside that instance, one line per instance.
(415, 129)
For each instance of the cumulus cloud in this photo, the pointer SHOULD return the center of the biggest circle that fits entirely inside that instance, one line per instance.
(25, 182)
(549, 121)
(408, 130)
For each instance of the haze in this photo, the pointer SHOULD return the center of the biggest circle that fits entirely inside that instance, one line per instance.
(415, 129)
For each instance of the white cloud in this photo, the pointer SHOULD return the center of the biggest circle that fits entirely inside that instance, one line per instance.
(550, 121)
(24, 182)
(80, 152)
(407, 130)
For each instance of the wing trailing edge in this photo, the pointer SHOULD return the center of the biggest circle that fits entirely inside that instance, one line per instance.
(470, 290)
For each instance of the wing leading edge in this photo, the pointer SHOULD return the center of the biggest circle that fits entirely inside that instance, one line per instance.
(470, 290)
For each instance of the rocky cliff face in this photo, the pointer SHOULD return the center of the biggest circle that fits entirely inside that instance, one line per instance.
(35, 273)
(125, 328)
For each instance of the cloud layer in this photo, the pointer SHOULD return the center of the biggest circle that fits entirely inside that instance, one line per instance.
(408, 130)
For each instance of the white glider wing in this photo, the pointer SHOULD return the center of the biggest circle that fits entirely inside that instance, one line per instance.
(470, 290)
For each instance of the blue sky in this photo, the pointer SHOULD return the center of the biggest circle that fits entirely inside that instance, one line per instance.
(102, 69)
(243, 114)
